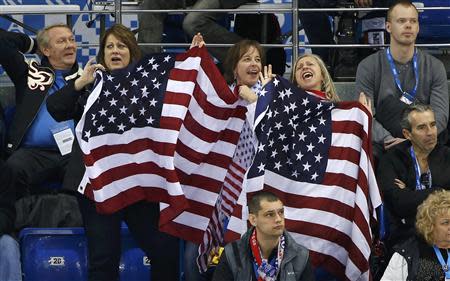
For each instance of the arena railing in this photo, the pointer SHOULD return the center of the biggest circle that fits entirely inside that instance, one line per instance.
(6, 11)
(263, 8)
(123, 7)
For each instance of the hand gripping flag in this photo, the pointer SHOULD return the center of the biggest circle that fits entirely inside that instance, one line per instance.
(163, 130)
(316, 156)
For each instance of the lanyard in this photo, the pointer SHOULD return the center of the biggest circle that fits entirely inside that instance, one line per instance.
(410, 96)
(445, 266)
(419, 185)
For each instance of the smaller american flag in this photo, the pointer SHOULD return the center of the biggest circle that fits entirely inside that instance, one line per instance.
(229, 194)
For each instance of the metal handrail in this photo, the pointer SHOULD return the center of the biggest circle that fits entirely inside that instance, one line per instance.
(295, 45)
(117, 9)
(234, 11)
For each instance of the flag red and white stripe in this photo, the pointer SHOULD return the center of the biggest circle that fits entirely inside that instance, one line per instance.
(331, 218)
(231, 189)
(181, 163)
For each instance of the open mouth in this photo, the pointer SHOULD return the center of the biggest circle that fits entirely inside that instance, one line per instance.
(253, 72)
(307, 75)
(116, 59)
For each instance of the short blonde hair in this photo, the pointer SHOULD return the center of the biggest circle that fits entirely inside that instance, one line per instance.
(327, 85)
(42, 37)
(436, 204)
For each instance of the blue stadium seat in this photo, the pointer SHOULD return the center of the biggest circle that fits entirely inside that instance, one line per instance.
(134, 264)
(55, 254)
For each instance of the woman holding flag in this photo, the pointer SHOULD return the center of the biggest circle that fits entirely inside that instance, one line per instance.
(311, 74)
(118, 51)
(244, 70)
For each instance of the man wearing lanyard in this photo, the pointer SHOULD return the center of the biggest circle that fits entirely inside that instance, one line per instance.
(412, 170)
(400, 75)
(266, 252)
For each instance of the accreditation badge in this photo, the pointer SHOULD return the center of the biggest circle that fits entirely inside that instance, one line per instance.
(406, 98)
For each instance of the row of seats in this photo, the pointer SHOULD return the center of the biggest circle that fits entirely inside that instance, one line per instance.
(55, 254)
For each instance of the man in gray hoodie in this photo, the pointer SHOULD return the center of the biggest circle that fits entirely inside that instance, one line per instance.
(400, 75)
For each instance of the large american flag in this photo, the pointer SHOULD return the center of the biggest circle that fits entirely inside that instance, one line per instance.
(164, 130)
(316, 156)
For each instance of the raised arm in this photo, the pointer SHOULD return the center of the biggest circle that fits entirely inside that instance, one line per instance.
(68, 102)
(12, 47)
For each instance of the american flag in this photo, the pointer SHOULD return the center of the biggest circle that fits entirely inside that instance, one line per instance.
(229, 194)
(316, 156)
(164, 130)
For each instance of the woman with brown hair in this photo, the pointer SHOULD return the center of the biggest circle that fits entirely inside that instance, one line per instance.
(118, 51)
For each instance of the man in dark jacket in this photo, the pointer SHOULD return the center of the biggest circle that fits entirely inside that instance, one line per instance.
(412, 170)
(39, 147)
(266, 251)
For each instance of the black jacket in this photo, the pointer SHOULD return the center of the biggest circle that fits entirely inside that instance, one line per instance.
(402, 203)
(420, 259)
(31, 81)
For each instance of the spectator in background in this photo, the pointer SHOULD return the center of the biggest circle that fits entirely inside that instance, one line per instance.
(401, 75)
(314, 21)
(412, 170)
(425, 256)
(35, 155)
(10, 267)
(210, 26)
(151, 25)
(207, 25)
(266, 251)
